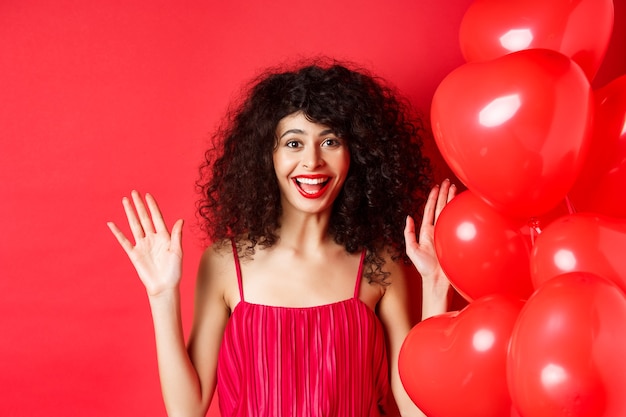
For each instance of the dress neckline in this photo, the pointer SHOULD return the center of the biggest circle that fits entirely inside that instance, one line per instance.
(302, 308)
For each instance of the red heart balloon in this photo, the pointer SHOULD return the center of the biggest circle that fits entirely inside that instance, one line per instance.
(516, 129)
(579, 29)
(482, 251)
(566, 355)
(454, 364)
(604, 171)
(581, 242)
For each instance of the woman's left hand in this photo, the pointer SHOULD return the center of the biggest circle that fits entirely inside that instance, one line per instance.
(421, 249)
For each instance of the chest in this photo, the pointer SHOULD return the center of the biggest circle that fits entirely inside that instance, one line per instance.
(294, 282)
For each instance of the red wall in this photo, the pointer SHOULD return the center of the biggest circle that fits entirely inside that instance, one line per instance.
(100, 97)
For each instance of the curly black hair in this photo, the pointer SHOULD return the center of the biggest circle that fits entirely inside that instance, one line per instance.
(388, 179)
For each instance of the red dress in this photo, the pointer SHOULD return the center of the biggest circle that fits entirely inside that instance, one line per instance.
(328, 360)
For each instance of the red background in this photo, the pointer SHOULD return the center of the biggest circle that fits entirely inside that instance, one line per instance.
(101, 97)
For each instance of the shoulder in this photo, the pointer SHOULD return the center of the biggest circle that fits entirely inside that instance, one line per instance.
(402, 294)
(216, 259)
(217, 274)
(395, 270)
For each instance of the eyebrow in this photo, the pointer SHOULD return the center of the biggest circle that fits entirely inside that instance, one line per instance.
(300, 131)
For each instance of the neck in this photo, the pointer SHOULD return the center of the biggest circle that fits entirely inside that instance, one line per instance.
(305, 232)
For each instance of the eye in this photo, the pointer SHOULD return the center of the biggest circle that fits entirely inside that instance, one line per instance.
(292, 144)
(332, 142)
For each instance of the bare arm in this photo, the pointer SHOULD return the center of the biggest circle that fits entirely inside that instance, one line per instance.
(394, 305)
(435, 284)
(157, 257)
(188, 374)
(393, 310)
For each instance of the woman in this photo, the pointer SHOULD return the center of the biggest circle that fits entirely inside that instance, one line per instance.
(305, 192)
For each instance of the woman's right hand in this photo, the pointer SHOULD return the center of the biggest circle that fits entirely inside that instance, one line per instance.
(156, 255)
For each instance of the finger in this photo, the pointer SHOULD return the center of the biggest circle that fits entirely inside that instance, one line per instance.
(135, 227)
(442, 197)
(409, 232)
(176, 243)
(142, 212)
(452, 192)
(429, 207)
(411, 243)
(121, 238)
(155, 213)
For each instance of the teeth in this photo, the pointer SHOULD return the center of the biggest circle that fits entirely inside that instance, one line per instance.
(311, 181)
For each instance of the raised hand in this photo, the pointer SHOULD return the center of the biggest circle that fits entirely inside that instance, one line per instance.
(422, 251)
(155, 254)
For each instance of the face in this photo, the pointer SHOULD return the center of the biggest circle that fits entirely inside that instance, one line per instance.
(311, 164)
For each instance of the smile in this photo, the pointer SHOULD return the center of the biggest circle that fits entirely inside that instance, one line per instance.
(312, 186)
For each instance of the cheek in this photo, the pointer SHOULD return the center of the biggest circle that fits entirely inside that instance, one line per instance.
(283, 164)
(346, 162)
(277, 161)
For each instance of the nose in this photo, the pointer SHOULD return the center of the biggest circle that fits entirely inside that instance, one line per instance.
(312, 158)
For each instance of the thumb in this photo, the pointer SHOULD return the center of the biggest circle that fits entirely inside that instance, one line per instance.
(176, 243)
(409, 233)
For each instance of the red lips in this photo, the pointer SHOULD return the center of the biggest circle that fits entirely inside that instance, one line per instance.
(312, 186)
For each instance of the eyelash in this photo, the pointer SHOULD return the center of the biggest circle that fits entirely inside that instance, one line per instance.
(328, 142)
(333, 140)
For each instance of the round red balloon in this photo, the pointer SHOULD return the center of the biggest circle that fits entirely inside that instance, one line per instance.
(600, 183)
(454, 364)
(566, 355)
(579, 29)
(581, 242)
(482, 251)
(515, 130)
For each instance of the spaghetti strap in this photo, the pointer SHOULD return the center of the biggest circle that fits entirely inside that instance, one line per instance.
(359, 275)
(238, 268)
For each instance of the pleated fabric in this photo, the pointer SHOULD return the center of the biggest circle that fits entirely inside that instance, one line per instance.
(327, 360)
